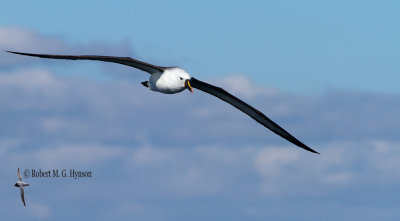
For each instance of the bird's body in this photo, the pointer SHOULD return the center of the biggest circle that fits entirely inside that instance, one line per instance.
(21, 186)
(171, 80)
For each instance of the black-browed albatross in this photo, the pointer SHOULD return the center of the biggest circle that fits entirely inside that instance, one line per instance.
(170, 80)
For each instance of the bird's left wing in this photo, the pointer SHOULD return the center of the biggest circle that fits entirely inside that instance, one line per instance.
(120, 60)
(22, 195)
(249, 110)
(19, 175)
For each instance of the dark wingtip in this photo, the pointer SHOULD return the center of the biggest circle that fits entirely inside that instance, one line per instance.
(14, 52)
(314, 151)
(22, 53)
(309, 149)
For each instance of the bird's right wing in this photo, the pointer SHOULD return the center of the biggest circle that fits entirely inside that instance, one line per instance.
(19, 175)
(22, 195)
(120, 60)
(249, 110)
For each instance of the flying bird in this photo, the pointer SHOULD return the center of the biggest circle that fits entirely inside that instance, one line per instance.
(171, 80)
(21, 186)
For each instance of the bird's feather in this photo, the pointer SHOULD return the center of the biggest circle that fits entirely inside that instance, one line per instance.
(120, 60)
(247, 109)
(22, 195)
(19, 175)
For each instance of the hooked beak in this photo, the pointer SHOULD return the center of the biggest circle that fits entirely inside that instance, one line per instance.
(187, 85)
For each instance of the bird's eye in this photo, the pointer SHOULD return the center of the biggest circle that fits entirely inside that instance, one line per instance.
(181, 78)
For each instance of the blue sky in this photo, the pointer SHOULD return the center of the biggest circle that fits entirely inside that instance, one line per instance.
(336, 44)
(325, 71)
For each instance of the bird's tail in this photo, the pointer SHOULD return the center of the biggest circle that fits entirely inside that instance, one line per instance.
(146, 84)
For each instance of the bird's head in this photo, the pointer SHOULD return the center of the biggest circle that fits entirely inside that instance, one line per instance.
(183, 79)
(172, 80)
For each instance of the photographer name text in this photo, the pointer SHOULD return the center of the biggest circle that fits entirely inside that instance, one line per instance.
(57, 173)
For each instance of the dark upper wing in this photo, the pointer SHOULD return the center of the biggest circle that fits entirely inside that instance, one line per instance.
(120, 60)
(247, 109)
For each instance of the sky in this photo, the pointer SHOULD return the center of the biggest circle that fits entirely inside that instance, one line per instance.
(325, 71)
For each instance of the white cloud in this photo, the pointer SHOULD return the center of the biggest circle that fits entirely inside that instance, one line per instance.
(125, 114)
(340, 165)
(386, 159)
(62, 155)
(151, 156)
(20, 39)
(13, 38)
(338, 178)
(26, 40)
(39, 210)
(243, 86)
(75, 155)
(32, 81)
(271, 161)
(223, 154)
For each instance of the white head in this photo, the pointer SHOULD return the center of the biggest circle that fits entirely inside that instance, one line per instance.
(184, 79)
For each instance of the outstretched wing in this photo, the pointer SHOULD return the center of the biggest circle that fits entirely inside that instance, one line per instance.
(120, 60)
(249, 110)
(19, 175)
(22, 195)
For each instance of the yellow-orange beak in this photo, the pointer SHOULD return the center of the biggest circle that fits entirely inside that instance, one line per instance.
(187, 85)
